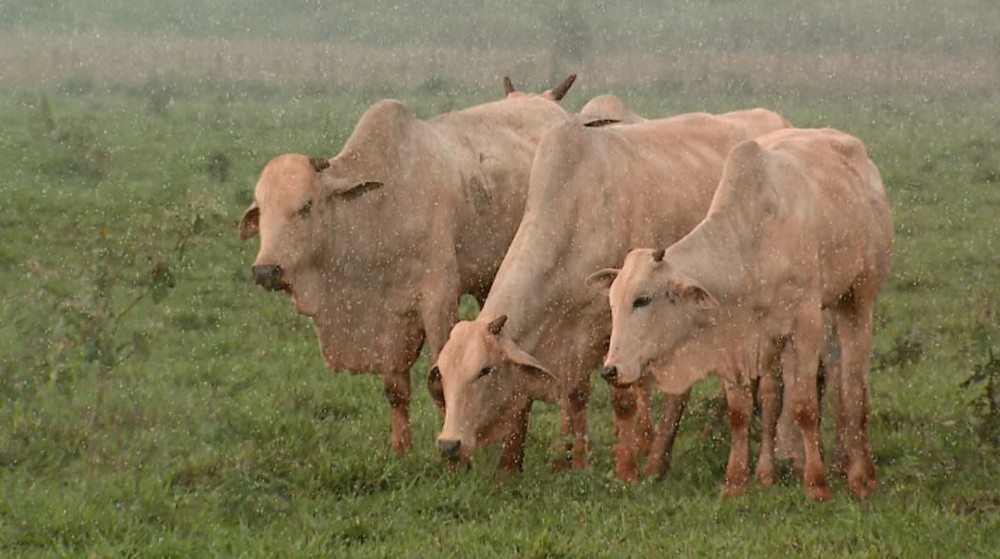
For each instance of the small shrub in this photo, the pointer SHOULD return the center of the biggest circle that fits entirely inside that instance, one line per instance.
(92, 319)
(906, 350)
(79, 83)
(76, 148)
(985, 379)
(217, 165)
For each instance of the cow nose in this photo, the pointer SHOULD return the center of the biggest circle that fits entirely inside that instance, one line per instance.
(268, 276)
(449, 449)
(609, 373)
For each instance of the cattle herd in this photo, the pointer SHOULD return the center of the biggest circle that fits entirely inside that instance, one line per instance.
(656, 250)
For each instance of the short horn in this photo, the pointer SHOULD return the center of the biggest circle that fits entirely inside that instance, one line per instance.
(318, 163)
(508, 86)
(559, 91)
(496, 326)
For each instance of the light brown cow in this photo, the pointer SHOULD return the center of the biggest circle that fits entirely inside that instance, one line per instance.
(377, 244)
(594, 193)
(800, 222)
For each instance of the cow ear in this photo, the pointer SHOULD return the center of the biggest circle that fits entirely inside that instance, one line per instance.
(692, 292)
(249, 225)
(700, 296)
(435, 387)
(602, 279)
(360, 189)
(594, 122)
(539, 383)
(345, 188)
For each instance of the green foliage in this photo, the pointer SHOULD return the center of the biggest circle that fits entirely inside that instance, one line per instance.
(986, 404)
(82, 319)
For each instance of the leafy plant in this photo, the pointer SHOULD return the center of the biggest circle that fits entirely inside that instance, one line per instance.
(95, 318)
(986, 404)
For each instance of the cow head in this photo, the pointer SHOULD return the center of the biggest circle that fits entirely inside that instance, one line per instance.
(297, 202)
(554, 94)
(485, 378)
(654, 310)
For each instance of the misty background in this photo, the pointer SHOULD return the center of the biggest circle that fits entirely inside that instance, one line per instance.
(446, 47)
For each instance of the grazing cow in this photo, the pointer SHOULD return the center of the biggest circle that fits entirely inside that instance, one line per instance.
(594, 193)
(800, 222)
(377, 244)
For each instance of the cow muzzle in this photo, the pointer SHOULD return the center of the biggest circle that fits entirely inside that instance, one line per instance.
(270, 277)
(451, 450)
(612, 376)
(609, 373)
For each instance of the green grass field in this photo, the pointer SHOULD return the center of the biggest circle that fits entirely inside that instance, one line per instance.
(155, 403)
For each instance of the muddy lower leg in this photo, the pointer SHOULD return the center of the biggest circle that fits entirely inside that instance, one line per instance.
(512, 455)
(397, 392)
(769, 395)
(575, 445)
(661, 451)
(855, 329)
(739, 400)
(624, 405)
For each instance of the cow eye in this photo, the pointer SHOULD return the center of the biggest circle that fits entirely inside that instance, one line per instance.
(640, 302)
(483, 372)
(305, 209)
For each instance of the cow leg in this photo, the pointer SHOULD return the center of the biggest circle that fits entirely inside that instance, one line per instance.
(624, 405)
(660, 453)
(804, 361)
(769, 395)
(643, 418)
(739, 400)
(574, 429)
(397, 391)
(512, 455)
(787, 441)
(438, 312)
(830, 365)
(854, 324)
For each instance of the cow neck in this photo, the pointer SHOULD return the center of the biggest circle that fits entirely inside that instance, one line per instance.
(527, 284)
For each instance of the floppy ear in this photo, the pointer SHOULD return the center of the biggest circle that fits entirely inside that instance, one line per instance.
(346, 188)
(597, 122)
(538, 381)
(700, 296)
(249, 225)
(602, 279)
(691, 291)
(435, 387)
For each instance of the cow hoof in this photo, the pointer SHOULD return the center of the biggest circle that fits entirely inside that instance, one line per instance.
(765, 477)
(733, 490)
(818, 493)
(862, 487)
(654, 468)
(627, 475)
